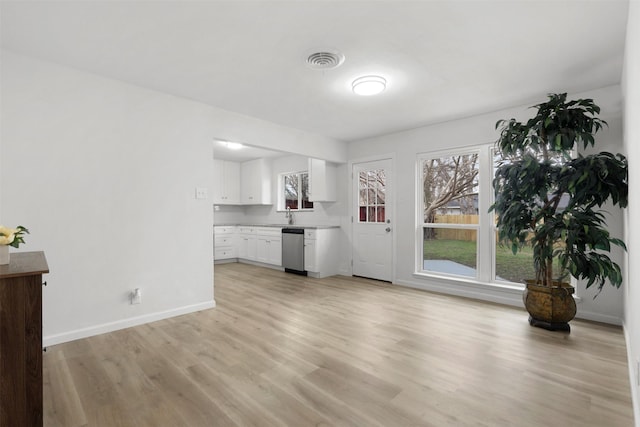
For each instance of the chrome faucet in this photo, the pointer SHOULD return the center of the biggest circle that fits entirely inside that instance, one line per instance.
(289, 215)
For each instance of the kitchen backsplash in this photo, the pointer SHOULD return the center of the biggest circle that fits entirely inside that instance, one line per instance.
(321, 215)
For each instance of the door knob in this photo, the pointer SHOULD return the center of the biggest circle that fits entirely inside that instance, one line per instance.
(388, 229)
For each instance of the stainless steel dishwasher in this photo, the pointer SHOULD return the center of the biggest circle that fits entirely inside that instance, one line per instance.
(293, 250)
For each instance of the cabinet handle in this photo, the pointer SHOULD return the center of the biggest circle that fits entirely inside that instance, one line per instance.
(44, 283)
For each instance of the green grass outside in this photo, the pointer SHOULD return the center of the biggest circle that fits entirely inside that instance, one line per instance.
(514, 268)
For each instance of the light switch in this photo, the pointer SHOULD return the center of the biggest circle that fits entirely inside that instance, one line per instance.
(201, 193)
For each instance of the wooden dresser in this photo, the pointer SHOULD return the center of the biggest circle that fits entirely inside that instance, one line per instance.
(21, 339)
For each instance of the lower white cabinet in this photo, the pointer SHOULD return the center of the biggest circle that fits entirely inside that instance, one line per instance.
(270, 250)
(247, 243)
(225, 246)
(269, 245)
(264, 245)
(310, 255)
(320, 253)
(261, 244)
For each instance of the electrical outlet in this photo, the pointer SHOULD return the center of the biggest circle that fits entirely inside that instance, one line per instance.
(136, 296)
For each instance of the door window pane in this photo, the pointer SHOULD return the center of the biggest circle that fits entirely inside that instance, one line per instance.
(372, 192)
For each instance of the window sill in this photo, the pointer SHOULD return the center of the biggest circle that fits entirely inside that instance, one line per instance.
(469, 281)
(464, 281)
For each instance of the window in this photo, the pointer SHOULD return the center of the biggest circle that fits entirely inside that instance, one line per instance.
(372, 190)
(294, 193)
(456, 235)
(450, 213)
(512, 267)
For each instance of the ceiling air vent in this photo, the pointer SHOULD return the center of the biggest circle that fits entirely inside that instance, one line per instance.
(325, 60)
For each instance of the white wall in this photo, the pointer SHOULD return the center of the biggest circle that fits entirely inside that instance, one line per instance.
(608, 306)
(631, 95)
(104, 175)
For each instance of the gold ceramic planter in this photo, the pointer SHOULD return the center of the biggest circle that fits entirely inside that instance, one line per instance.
(550, 307)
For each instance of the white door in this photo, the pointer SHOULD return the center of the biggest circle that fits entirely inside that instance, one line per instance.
(372, 222)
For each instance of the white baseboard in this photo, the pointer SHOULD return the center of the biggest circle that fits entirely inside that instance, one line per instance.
(633, 381)
(597, 317)
(497, 294)
(124, 323)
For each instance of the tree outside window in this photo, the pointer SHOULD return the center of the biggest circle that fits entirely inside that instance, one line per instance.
(295, 191)
(450, 214)
(452, 221)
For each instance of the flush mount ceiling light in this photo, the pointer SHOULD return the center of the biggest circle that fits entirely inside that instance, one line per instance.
(231, 145)
(369, 85)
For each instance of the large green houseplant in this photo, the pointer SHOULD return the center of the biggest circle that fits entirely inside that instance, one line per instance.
(549, 198)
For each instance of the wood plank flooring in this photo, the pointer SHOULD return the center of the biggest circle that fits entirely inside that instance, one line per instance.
(283, 350)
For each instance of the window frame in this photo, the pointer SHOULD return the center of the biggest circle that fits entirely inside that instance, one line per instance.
(494, 231)
(486, 265)
(421, 225)
(281, 197)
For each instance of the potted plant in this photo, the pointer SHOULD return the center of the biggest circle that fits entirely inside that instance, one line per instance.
(549, 198)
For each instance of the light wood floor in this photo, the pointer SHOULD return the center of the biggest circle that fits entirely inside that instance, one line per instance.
(281, 350)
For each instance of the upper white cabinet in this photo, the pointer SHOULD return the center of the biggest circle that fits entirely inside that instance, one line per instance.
(255, 178)
(226, 187)
(322, 181)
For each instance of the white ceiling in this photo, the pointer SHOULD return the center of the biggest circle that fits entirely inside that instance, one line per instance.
(442, 59)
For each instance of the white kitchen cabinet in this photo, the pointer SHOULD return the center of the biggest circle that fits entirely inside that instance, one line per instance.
(320, 252)
(225, 246)
(322, 181)
(310, 257)
(255, 182)
(275, 252)
(226, 188)
(247, 243)
(269, 245)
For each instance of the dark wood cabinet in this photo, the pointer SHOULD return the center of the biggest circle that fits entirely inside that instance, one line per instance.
(21, 339)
